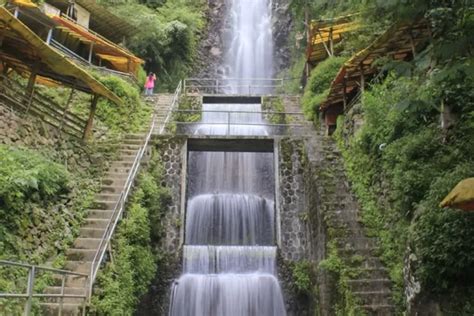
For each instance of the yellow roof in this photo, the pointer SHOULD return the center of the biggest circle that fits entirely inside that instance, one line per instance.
(24, 3)
(29, 47)
(462, 196)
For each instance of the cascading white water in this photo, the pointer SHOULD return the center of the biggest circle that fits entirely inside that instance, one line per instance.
(250, 53)
(229, 263)
(229, 219)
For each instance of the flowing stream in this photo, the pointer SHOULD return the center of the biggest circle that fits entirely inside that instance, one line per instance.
(229, 257)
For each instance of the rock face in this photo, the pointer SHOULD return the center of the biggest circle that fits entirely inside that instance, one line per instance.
(282, 24)
(211, 52)
(213, 47)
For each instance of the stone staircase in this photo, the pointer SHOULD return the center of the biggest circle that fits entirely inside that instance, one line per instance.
(369, 282)
(80, 256)
(162, 104)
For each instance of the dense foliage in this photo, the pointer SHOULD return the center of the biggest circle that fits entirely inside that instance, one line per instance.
(167, 37)
(131, 116)
(402, 161)
(317, 88)
(135, 256)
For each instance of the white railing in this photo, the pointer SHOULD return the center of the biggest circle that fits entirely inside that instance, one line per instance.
(30, 294)
(236, 86)
(119, 208)
(173, 106)
(275, 123)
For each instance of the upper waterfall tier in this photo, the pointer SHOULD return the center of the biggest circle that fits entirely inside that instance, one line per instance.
(250, 53)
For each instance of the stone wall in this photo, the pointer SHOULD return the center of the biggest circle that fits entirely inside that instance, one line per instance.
(173, 154)
(291, 200)
(292, 239)
(172, 151)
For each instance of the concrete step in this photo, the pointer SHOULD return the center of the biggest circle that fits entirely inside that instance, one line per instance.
(108, 196)
(122, 164)
(68, 309)
(104, 205)
(98, 223)
(379, 310)
(130, 147)
(375, 297)
(133, 137)
(115, 181)
(357, 242)
(110, 189)
(129, 152)
(118, 171)
(133, 141)
(90, 232)
(74, 254)
(79, 266)
(365, 285)
(86, 243)
(100, 214)
(67, 290)
(363, 251)
(370, 273)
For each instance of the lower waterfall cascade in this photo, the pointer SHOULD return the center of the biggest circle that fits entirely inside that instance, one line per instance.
(229, 257)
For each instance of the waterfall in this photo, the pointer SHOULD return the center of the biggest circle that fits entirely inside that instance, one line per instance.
(229, 260)
(250, 53)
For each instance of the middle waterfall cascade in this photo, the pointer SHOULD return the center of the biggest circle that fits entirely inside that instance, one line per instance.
(229, 219)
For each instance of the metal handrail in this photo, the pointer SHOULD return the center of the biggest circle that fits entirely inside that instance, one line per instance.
(119, 206)
(250, 85)
(172, 108)
(30, 295)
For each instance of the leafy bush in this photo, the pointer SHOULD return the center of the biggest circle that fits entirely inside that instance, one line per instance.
(131, 116)
(135, 257)
(25, 178)
(402, 164)
(168, 36)
(317, 88)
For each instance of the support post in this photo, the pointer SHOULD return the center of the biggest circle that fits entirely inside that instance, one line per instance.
(90, 121)
(30, 87)
(344, 96)
(362, 78)
(331, 42)
(49, 37)
(412, 44)
(30, 288)
(66, 109)
(91, 50)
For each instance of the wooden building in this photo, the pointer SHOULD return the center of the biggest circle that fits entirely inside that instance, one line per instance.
(400, 43)
(83, 31)
(26, 52)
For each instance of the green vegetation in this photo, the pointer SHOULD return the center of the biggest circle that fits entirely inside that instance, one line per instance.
(135, 257)
(401, 161)
(168, 35)
(131, 116)
(346, 303)
(317, 88)
(274, 104)
(41, 208)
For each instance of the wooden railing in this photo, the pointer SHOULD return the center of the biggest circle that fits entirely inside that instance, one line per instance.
(13, 94)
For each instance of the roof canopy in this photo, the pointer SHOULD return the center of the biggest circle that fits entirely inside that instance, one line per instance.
(23, 50)
(102, 21)
(102, 47)
(324, 34)
(399, 42)
(462, 196)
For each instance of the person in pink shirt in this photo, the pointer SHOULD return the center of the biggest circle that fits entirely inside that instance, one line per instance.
(150, 83)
